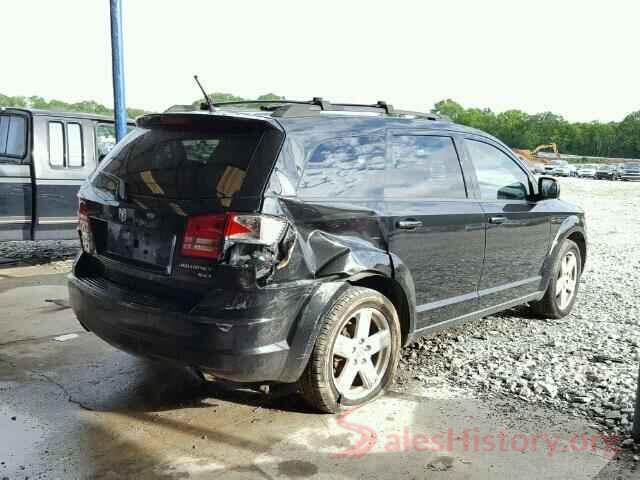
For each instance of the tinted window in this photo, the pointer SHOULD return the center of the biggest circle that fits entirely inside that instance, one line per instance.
(500, 178)
(13, 136)
(179, 164)
(424, 167)
(56, 144)
(74, 141)
(349, 167)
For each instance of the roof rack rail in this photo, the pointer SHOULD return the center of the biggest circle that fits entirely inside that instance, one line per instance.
(298, 108)
(258, 102)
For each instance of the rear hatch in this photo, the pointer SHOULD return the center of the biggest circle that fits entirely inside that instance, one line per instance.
(143, 203)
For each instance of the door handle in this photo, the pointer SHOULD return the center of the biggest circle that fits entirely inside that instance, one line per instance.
(409, 224)
(497, 220)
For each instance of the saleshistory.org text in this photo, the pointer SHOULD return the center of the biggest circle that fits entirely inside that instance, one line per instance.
(471, 439)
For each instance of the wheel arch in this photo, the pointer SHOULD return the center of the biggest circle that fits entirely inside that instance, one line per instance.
(580, 240)
(396, 294)
(571, 228)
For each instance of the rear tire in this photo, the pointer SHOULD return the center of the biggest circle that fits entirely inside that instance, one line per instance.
(561, 294)
(356, 354)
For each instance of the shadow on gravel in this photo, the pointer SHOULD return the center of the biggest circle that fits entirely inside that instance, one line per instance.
(521, 311)
(26, 252)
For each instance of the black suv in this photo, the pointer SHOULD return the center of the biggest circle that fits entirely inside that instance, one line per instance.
(308, 242)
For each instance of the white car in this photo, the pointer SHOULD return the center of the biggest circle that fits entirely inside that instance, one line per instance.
(587, 171)
(562, 170)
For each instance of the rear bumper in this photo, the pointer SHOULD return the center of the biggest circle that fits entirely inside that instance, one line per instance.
(633, 176)
(255, 348)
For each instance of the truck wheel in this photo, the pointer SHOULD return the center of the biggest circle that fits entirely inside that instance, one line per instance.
(562, 291)
(356, 353)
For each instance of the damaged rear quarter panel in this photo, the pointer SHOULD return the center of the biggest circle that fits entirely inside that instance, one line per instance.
(332, 239)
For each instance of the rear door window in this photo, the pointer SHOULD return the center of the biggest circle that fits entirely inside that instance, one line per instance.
(13, 136)
(349, 167)
(424, 166)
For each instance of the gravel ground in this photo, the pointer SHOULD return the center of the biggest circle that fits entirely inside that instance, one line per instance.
(37, 252)
(585, 364)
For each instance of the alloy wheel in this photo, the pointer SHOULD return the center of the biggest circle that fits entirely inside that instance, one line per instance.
(567, 280)
(361, 353)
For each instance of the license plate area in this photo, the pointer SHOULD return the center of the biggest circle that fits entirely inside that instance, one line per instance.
(143, 247)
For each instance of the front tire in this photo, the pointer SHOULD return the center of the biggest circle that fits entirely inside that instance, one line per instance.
(356, 353)
(561, 294)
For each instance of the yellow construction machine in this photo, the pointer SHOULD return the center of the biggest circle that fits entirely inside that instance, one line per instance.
(532, 157)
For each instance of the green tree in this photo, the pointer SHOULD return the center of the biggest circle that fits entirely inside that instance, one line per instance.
(628, 135)
(522, 130)
(512, 127)
(87, 106)
(450, 109)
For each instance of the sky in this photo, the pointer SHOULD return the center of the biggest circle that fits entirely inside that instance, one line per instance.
(579, 59)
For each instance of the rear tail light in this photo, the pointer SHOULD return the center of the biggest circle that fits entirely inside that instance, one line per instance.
(208, 236)
(203, 236)
(84, 228)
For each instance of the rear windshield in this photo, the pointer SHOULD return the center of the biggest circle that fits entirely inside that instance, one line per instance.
(174, 163)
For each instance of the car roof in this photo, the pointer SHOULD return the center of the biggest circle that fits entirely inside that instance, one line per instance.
(343, 122)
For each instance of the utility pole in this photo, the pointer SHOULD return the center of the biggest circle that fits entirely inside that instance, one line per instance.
(117, 69)
(636, 416)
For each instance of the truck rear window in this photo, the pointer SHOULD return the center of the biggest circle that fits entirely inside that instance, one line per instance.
(174, 163)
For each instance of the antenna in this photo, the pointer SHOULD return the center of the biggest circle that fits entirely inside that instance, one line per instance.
(206, 97)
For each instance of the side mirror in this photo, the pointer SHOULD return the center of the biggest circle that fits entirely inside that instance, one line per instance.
(548, 188)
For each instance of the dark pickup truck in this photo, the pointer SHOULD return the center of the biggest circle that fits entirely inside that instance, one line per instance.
(44, 158)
